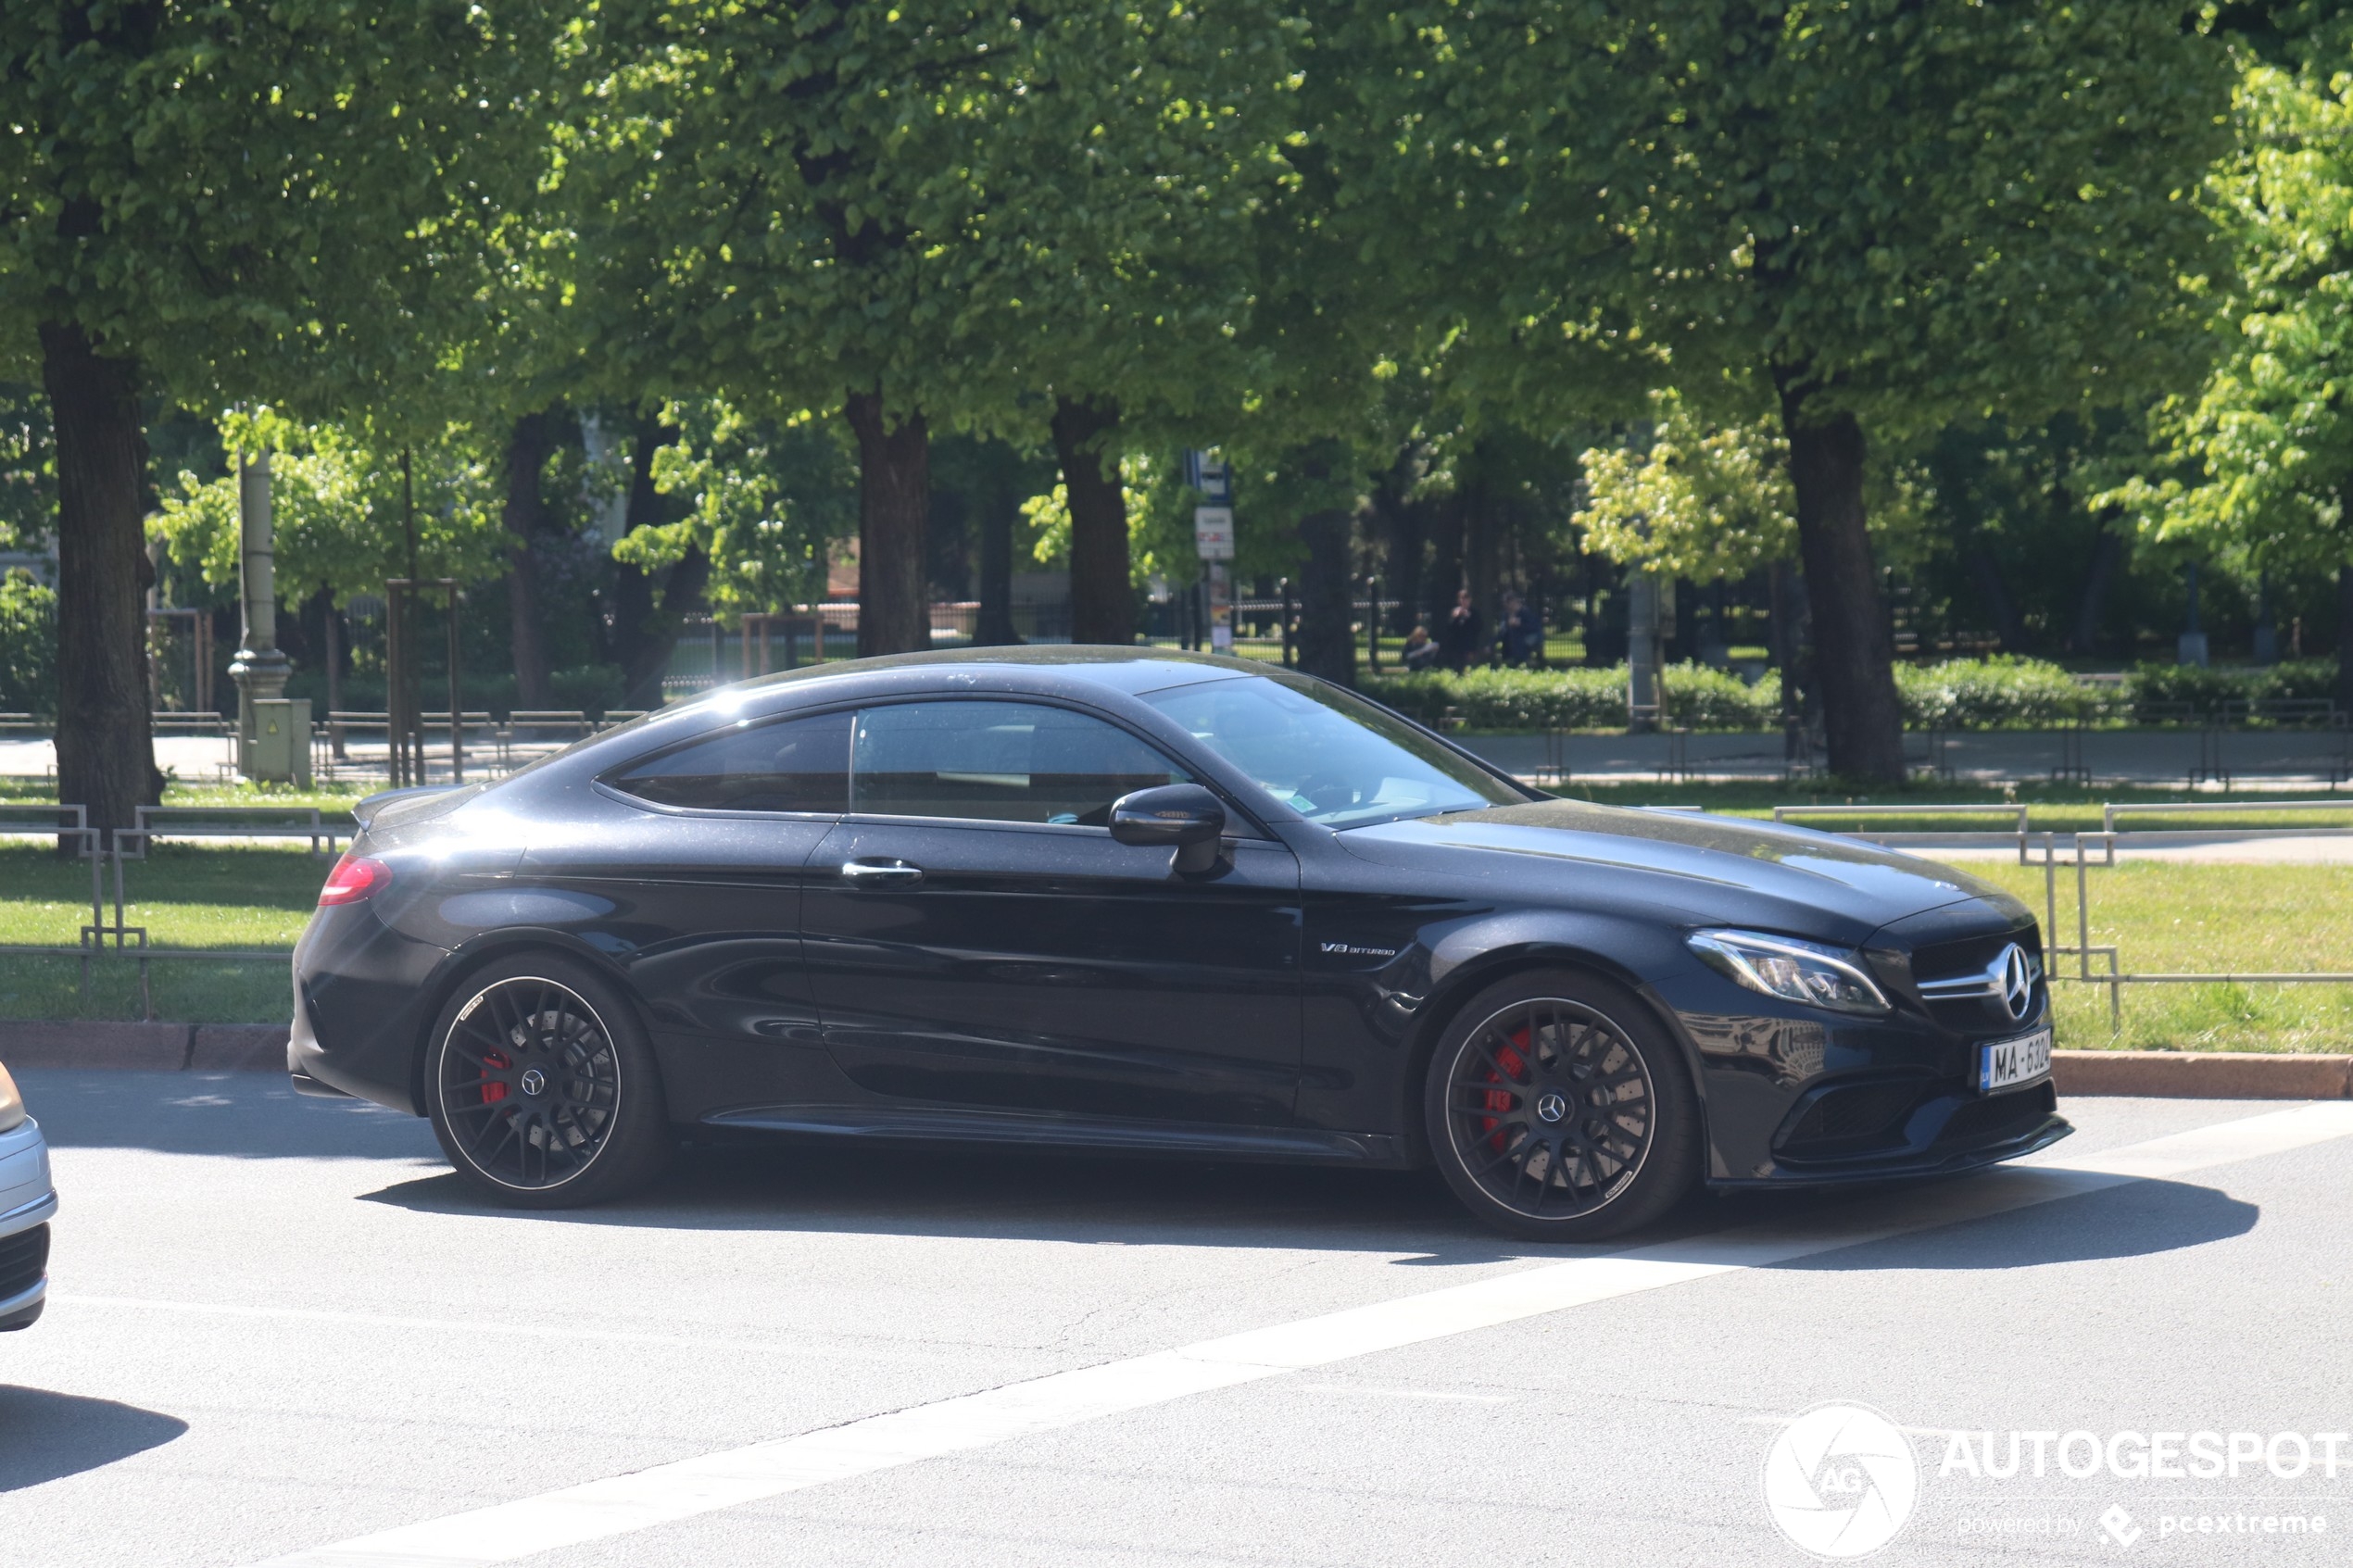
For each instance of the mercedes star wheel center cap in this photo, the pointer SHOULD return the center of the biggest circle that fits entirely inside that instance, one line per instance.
(1551, 1105)
(534, 1082)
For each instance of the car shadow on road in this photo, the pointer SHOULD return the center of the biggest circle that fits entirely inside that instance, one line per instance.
(998, 1194)
(45, 1437)
(989, 1194)
(2131, 1220)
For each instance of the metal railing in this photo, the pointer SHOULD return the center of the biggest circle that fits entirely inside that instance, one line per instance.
(116, 937)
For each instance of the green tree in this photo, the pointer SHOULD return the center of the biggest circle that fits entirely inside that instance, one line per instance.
(217, 204)
(2258, 460)
(783, 201)
(1894, 214)
(1704, 504)
(764, 500)
(346, 513)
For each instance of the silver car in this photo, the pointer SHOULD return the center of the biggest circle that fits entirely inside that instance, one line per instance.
(26, 1202)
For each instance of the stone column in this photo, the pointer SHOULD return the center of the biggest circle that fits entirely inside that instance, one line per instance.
(1643, 650)
(259, 669)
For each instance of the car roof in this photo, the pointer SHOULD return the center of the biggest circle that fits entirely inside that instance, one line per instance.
(1131, 671)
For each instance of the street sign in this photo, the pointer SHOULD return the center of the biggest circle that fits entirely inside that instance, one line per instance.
(1210, 477)
(1213, 532)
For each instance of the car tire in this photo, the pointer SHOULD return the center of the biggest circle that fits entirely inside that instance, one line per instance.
(542, 1086)
(1558, 1108)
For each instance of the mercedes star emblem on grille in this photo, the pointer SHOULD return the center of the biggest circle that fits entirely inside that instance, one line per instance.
(2018, 980)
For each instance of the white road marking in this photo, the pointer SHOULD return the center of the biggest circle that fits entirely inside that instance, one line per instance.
(1377, 1391)
(468, 1328)
(663, 1493)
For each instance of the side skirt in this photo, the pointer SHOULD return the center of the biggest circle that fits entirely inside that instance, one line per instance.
(1035, 1129)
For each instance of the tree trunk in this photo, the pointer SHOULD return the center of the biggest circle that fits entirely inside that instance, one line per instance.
(1481, 547)
(2345, 637)
(1987, 571)
(527, 453)
(1862, 719)
(2107, 548)
(1403, 524)
(1102, 601)
(893, 514)
(993, 512)
(645, 624)
(106, 755)
(1327, 648)
(1445, 574)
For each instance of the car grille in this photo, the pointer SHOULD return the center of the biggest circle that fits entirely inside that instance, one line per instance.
(2001, 1117)
(1968, 959)
(1847, 1120)
(23, 1258)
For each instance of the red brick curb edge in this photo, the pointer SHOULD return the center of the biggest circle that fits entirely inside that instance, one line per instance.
(2203, 1074)
(226, 1047)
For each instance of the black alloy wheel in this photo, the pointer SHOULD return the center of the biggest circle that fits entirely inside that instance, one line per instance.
(540, 1086)
(1557, 1111)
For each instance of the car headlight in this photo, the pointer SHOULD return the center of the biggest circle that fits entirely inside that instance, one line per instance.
(11, 1104)
(1793, 971)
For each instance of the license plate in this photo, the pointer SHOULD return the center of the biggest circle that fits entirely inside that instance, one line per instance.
(2007, 1064)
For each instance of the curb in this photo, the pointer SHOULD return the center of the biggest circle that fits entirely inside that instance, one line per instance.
(2203, 1074)
(150, 1048)
(261, 1047)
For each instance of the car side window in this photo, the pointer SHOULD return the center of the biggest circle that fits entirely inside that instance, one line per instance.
(998, 761)
(792, 765)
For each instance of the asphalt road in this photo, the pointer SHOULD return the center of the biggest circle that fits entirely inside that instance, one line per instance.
(280, 1325)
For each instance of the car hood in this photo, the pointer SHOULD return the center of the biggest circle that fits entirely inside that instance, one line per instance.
(1719, 868)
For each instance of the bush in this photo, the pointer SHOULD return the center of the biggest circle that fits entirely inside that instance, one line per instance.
(1998, 694)
(2159, 690)
(28, 646)
(1961, 694)
(1577, 698)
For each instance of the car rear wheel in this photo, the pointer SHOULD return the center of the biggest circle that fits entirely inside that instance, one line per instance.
(1559, 1110)
(542, 1087)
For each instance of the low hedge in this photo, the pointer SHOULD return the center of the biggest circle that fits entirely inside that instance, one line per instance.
(1961, 694)
(1697, 697)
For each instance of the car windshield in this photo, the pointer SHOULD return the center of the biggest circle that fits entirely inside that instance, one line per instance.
(1332, 757)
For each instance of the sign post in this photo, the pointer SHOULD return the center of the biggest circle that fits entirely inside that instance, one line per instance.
(1214, 542)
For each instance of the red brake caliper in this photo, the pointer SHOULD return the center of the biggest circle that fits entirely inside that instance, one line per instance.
(493, 1093)
(1516, 1065)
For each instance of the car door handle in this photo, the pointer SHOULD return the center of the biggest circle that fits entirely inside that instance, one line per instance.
(881, 873)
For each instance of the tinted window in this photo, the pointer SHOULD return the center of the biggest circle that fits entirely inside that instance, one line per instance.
(798, 765)
(998, 761)
(1326, 755)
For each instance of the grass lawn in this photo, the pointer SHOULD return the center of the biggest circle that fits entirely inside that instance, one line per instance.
(330, 797)
(187, 896)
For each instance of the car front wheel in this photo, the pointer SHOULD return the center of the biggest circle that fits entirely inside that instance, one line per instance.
(1559, 1110)
(542, 1087)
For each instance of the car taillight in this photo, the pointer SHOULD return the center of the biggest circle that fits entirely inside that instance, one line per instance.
(354, 878)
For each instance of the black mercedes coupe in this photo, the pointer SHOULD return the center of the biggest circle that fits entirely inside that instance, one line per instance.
(1117, 899)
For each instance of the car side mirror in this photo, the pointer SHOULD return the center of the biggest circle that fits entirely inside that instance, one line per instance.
(1184, 817)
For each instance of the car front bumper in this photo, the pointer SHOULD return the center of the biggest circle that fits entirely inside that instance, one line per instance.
(27, 1201)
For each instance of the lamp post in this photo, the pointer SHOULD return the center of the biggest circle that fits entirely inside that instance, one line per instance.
(259, 669)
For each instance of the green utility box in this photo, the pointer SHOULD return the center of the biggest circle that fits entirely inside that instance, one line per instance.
(281, 751)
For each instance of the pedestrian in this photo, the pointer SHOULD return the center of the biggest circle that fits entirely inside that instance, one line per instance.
(1420, 652)
(1459, 641)
(1522, 635)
